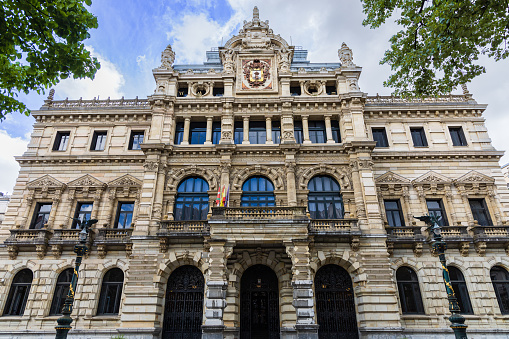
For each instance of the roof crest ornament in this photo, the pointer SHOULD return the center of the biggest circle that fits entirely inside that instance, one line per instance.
(345, 55)
(167, 58)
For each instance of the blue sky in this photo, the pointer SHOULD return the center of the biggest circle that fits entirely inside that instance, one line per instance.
(132, 34)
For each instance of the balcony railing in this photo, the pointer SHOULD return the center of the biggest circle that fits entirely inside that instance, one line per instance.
(22, 237)
(114, 235)
(184, 227)
(491, 233)
(333, 225)
(455, 233)
(269, 212)
(404, 234)
(65, 236)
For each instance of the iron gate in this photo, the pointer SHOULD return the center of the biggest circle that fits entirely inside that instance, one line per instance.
(259, 304)
(183, 309)
(335, 306)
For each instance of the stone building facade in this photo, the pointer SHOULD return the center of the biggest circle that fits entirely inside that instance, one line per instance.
(318, 239)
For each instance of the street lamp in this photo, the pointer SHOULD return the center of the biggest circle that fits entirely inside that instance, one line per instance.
(439, 246)
(64, 322)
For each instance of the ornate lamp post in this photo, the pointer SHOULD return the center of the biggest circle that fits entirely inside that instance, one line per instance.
(64, 322)
(438, 246)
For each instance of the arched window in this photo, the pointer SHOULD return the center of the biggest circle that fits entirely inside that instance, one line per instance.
(61, 290)
(257, 191)
(324, 198)
(192, 200)
(18, 294)
(500, 280)
(460, 289)
(111, 291)
(409, 292)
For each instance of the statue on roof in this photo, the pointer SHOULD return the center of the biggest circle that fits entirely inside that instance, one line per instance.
(346, 56)
(167, 58)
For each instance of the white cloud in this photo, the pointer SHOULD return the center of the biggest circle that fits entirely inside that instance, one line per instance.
(141, 59)
(108, 82)
(10, 168)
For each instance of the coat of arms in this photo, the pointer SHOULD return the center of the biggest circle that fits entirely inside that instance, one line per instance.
(256, 74)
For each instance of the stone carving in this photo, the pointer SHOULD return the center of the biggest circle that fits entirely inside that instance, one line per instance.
(284, 60)
(343, 175)
(346, 56)
(45, 182)
(464, 247)
(167, 58)
(256, 74)
(353, 85)
(56, 250)
(474, 177)
(126, 180)
(179, 174)
(13, 251)
(356, 243)
(480, 248)
(313, 87)
(228, 64)
(151, 166)
(200, 89)
(86, 181)
(51, 94)
(101, 251)
(392, 178)
(41, 250)
(431, 177)
(417, 248)
(239, 176)
(288, 135)
(226, 135)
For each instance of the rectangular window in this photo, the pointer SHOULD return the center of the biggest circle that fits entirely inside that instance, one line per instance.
(179, 133)
(317, 132)
(298, 132)
(257, 132)
(419, 137)
(436, 208)
(136, 140)
(61, 141)
(238, 135)
(216, 132)
(380, 136)
(124, 216)
(218, 91)
(182, 92)
(99, 141)
(197, 133)
(330, 90)
(394, 213)
(457, 136)
(295, 90)
(276, 132)
(336, 135)
(41, 215)
(83, 213)
(480, 212)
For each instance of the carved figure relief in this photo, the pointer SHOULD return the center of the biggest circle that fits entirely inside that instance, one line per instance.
(228, 64)
(284, 60)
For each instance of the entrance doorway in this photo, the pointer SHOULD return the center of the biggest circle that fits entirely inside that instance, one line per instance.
(259, 303)
(183, 308)
(335, 305)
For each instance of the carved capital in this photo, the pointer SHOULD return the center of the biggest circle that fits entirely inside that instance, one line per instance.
(13, 251)
(464, 247)
(101, 251)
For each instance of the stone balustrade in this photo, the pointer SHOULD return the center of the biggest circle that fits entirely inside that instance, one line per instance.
(332, 225)
(28, 237)
(182, 227)
(491, 233)
(114, 235)
(268, 212)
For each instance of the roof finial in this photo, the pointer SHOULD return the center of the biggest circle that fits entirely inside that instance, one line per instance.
(256, 14)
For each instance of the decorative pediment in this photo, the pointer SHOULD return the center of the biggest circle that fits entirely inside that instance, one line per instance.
(392, 178)
(474, 177)
(46, 181)
(86, 181)
(125, 181)
(432, 178)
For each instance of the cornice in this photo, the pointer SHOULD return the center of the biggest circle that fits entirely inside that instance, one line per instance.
(436, 155)
(79, 160)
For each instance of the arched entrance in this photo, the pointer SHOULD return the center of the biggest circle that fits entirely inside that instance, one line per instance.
(183, 308)
(335, 306)
(259, 303)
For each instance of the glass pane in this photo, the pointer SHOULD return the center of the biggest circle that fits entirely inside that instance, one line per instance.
(45, 208)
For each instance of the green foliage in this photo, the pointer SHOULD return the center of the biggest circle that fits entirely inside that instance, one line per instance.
(40, 44)
(441, 41)
(118, 337)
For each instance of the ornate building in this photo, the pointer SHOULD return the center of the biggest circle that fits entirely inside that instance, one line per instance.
(318, 239)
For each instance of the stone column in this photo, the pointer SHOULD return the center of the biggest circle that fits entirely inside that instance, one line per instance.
(268, 126)
(328, 129)
(187, 124)
(54, 206)
(227, 124)
(291, 190)
(96, 203)
(208, 137)
(215, 297)
(303, 298)
(245, 130)
(305, 129)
